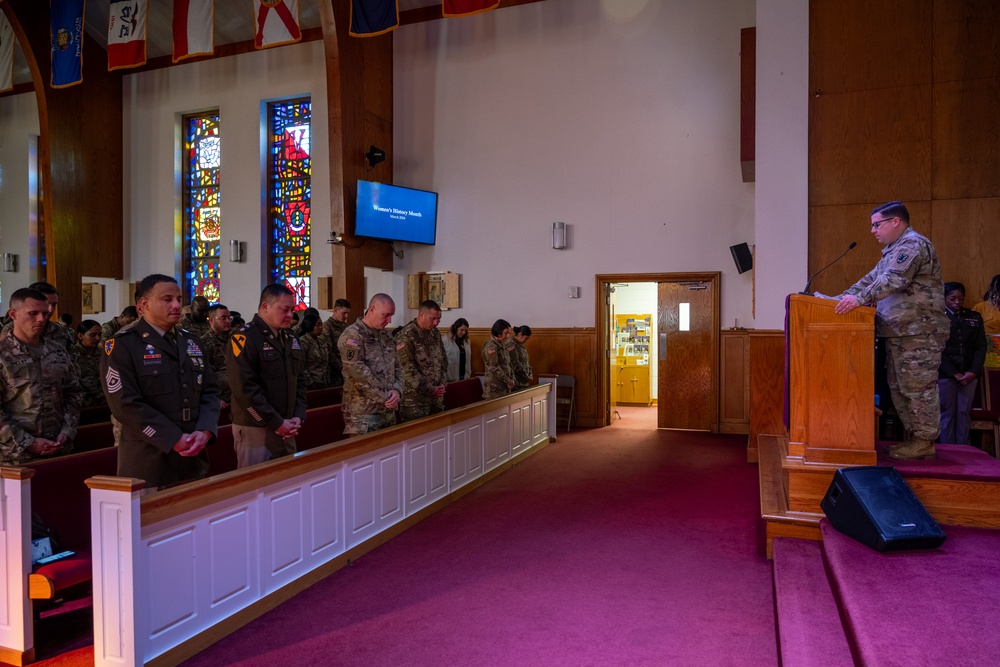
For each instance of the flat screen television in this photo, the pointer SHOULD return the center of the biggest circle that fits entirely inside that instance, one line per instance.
(394, 213)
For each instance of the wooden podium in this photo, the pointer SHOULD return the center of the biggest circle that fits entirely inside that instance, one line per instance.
(831, 395)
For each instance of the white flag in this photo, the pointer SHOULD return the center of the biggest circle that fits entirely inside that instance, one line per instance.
(6, 54)
(194, 28)
(275, 22)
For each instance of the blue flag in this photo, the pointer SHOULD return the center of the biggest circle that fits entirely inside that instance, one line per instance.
(66, 26)
(373, 17)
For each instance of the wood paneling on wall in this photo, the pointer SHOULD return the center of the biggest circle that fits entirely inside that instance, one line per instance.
(905, 113)
(560, 351)
(767, 386)
(734, 381)
(359, 95)
(80, 159)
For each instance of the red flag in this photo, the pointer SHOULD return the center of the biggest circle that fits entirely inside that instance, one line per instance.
(194, 27)
(127, 34)
(277, 22)
(453, 8)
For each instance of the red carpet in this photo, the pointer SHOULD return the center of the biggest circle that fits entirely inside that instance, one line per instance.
(934, 607)
(609, 547)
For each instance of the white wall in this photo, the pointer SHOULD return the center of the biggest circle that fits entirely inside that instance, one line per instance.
(237, 87)
(626, 129)
(782, 206)
(18, 133)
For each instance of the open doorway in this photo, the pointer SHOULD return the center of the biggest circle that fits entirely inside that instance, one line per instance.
(660, 337)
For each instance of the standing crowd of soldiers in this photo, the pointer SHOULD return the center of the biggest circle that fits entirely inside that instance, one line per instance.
(166, 375)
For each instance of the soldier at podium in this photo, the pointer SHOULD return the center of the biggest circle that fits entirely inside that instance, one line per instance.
(906, 289)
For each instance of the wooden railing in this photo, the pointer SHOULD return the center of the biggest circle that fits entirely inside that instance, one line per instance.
(175, 570)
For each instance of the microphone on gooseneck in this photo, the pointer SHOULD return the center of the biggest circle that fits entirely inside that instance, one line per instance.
(849, 248)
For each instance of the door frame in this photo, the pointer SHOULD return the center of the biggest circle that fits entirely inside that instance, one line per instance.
(603, 282)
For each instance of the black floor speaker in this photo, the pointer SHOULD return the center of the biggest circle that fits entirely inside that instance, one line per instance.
(875, 506)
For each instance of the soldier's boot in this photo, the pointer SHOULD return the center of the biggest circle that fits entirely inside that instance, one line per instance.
(913, 449)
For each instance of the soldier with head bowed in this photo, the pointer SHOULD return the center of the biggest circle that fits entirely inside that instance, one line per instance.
(499, 378)
(333, 329)
(54, 329)
(112, 326)
(373, 378)
(161, 389)
(214, 344)
(425, 365)
(520, 364)
(197, 320)
(906, 289)
(266, 378)
(40, 395)
(87, 362)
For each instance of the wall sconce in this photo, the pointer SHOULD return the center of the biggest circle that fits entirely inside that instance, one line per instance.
(374, 156)
(559, 235)
(9, 262)
(237, 251)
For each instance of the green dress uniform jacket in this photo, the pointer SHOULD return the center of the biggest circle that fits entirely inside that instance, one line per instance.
(159, 390)
(40, 396)
(265, 376)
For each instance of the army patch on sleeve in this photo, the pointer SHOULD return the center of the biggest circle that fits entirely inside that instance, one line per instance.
(902, 257)
(400, 346)
(239, 342)
(352, 342)
(113, 381)
(491, 351)
(108, 346)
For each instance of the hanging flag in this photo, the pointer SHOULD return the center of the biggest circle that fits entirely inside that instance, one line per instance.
(373, 17)
(6, 54)
(66, 30)
(277, 23)
(126, 34)
(194, 28)
(453, 8)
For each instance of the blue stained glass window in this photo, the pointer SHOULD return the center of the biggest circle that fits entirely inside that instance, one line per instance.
(202, 220)
(289, 196)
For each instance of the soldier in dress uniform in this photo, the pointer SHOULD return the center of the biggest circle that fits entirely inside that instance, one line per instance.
(333, 329)
(40, 395)
(54, 329)
(499, 378)
(520, 365)
(196, 321)
(214, 344)
(111, 327)
(264, 362)
(425, 366)
(373, 378)
(906, 289)
(87, 362)
(161, 391)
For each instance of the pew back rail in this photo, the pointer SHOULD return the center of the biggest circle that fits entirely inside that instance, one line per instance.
(176, 570)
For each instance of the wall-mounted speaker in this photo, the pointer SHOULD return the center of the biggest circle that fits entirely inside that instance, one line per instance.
(742, 257)
(875, 506)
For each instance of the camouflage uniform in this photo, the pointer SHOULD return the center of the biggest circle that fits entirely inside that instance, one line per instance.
(519, 364)
(55, 331)
(40, 396)
(214, 345)
(371, 371)
(110, 328)
(906, 289)
(499, 375)
(425, 366)
(87, 363)
(199, 329)
(332, 331)
(317, 361)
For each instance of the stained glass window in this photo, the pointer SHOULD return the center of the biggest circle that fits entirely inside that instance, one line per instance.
(202, 220)
(289, 200)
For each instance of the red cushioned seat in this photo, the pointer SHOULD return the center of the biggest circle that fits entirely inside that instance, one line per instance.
(61, 575)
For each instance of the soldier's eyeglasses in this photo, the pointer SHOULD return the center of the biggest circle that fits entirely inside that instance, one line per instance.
(878, 223)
